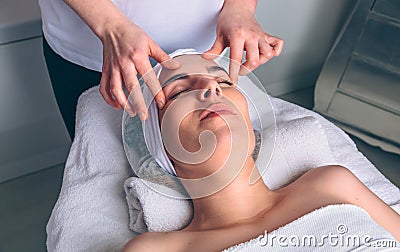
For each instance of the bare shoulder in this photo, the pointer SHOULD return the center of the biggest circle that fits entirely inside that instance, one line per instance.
(331, 172)
(193, 241)
(142, 242)
(160, 241)
(334, 183)
(340, 185)
(151, 241)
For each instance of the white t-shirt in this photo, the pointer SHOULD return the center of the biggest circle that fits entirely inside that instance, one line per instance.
(172, 24)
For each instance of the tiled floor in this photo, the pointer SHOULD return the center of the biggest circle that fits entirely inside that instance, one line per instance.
(26, 202)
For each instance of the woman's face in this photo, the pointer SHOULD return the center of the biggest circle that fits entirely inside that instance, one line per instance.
(200, 98)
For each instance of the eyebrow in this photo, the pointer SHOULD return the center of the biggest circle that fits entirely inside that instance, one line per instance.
(176, 77)
(210, 69)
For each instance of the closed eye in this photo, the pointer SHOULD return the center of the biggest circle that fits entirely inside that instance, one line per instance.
(220, 81)
(175, 95)
(228, 82)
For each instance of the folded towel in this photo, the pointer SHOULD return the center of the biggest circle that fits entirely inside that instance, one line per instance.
(331, 228)
(300, 146)
(151, 211)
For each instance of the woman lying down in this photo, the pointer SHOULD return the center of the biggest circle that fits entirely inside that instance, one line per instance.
(215, 168)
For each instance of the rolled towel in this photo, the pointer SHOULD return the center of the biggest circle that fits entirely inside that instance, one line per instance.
(151, 211)
(300, 145)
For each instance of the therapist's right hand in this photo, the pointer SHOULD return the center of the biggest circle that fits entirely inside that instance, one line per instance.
(126, 52)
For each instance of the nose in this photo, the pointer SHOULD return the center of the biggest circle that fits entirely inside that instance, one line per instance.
(208, 89)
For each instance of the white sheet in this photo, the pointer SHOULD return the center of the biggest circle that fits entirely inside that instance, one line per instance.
(331, 228)
(91, 213)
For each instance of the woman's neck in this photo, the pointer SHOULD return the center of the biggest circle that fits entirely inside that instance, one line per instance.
(237, 202)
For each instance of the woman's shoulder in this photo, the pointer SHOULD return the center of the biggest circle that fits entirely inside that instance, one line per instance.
(149, 241)
(158, 241)
(329, 171)
(332, 182)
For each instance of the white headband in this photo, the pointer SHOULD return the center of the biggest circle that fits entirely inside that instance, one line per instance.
(151, 128)
(260, 111)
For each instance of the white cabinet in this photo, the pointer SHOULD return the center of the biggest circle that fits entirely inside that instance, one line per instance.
(359, 86)
(32, 134)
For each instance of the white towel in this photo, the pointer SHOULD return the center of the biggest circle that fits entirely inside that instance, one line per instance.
(331, 228)
(151, 211)
(300, 146)
(344, 151)
(91, 212)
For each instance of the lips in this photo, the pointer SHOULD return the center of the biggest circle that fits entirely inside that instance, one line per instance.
(215, 110)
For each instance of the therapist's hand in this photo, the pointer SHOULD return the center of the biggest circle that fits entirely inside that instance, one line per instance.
(126, 51)
(238, 28)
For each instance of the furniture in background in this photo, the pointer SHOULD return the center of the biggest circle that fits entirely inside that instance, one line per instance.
(359, 86)
(32, 133)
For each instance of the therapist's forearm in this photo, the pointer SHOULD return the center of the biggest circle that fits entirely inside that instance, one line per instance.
(249, 4)
(99, 15)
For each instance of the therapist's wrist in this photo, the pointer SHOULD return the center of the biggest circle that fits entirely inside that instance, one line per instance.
(102, 16)
(113, 26)
(110, 23)
(250, 5)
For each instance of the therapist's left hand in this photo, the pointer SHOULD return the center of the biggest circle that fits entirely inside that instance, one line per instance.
(238, 28)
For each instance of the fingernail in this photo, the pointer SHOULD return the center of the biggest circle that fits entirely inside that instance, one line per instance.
(142, 116)
(171, 64)
(131, 113)
(160, 104)
(208, 55)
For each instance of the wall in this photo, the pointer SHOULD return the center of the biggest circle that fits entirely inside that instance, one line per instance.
(32, 134)
(309, 28)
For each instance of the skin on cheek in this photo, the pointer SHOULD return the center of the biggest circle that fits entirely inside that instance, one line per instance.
(180, 131)
(189, 135)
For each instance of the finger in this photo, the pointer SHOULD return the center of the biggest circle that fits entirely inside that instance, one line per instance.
(137, 100)
(265, 51)
(216, 49)
(236, 54)
(276, 43)
(130, 80)
(116, 88)
(150, 79)
(252, 57)
(105, 90)
(162, 57)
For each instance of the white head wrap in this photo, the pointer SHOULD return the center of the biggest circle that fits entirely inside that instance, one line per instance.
(151, 127)
(260, 111)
